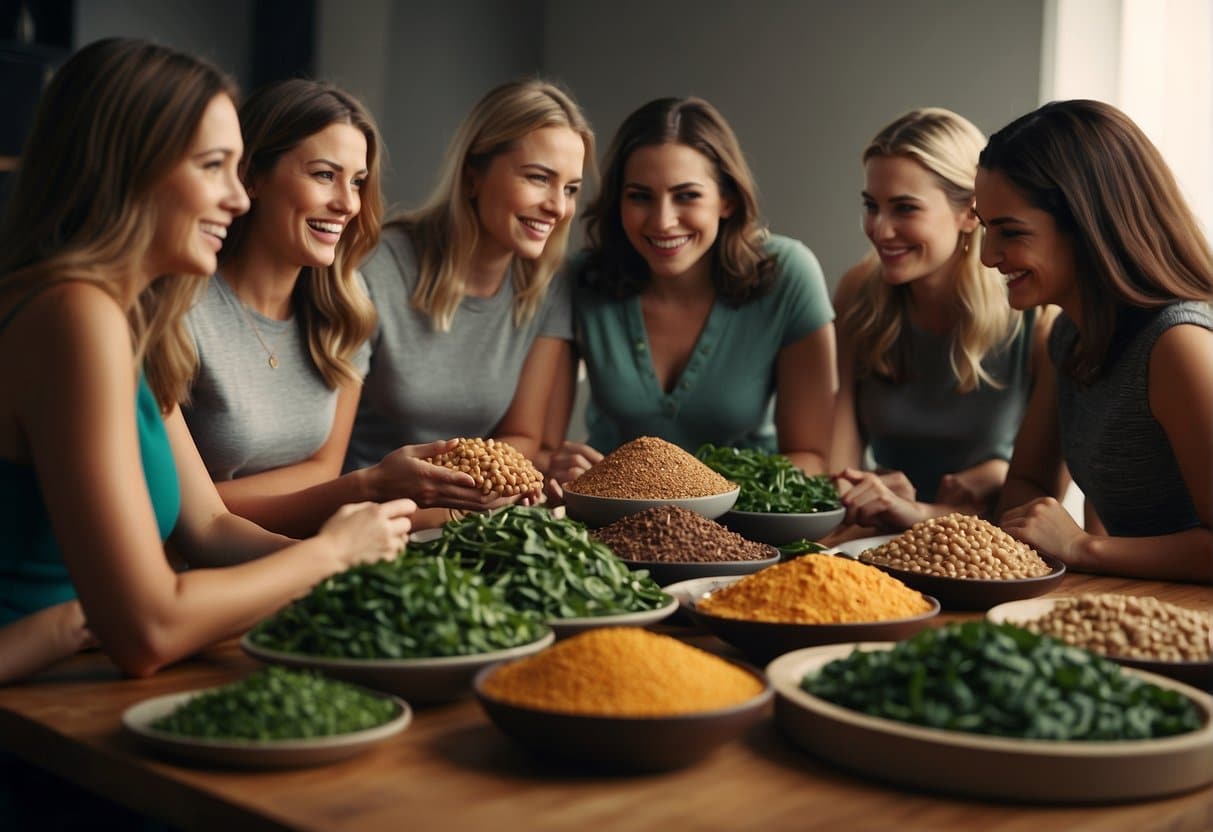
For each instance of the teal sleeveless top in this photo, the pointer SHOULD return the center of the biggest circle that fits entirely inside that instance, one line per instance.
(32, 572)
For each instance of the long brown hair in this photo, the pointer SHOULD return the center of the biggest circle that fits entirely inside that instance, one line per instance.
(740, 270)
(114, 121)
(446, 229)
(1106, 186)
(337, 315)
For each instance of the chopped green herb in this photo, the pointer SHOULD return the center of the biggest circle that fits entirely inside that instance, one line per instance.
(770, 482)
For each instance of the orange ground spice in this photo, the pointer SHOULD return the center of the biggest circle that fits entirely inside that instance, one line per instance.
(622, 671)
(816, 589)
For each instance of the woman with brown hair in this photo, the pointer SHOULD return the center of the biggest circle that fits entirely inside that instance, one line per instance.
(1081, 211)
(691, 317)
(126, 190)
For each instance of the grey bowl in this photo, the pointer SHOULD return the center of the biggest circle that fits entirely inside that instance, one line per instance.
(778, 529)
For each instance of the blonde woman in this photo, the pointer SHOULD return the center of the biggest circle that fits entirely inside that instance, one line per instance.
(281, 330)
(934, 365)
(473, 322)
(127, 186)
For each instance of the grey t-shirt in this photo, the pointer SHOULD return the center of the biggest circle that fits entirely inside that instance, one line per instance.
(245, 416)
(425, 385)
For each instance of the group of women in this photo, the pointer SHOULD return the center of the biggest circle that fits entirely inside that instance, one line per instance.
(222, 373)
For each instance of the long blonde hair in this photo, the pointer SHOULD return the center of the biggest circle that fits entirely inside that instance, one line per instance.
(446, 229)
(336, 313)
(946, 145)
(114, 121)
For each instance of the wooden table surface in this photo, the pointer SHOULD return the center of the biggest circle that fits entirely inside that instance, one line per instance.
(452, 769)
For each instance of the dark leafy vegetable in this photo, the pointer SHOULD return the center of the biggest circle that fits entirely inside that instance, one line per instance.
(770, 482)
(796, 548)
(278, 704)
(411, 607)
(996, 679)
(546, 563)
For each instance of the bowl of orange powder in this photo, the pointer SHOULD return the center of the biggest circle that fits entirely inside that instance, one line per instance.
(623, 699)
(812, 600)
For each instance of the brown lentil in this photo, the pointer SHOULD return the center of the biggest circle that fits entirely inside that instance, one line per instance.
(672, 534)
(959, 546)
(496, 467)
(622, 671)
(816, 589)
(1128, 626)
(649, 468)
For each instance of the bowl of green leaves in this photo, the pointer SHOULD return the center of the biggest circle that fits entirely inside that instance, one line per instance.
(779, 503)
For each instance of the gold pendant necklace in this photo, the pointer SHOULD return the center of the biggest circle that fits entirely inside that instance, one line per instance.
(269, 349)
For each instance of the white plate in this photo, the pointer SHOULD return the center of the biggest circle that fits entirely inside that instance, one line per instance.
(853, 548)
(687, 592)
(437, 679)
(138, 720)
(425, 535)
(565, 627)
(1198, 673)
(991, 767)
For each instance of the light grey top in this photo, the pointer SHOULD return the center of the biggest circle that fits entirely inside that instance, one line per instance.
(924, 427)
(1118, 453)
(245, 416)
(425, 385)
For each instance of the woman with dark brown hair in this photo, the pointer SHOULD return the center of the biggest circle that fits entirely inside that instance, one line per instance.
(691, 317)
(1081, 211)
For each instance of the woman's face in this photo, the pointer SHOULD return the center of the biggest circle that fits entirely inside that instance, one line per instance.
(913, 226)
(198, 199)
(671, 208)
(527, 191)
(1024, 244)
(304, 203)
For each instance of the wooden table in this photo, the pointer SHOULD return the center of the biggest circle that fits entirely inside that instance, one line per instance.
(452, 769)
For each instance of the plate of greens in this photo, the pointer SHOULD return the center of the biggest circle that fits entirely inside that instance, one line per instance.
(274, 718)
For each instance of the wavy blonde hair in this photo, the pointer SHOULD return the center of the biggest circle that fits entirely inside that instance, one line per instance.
(336, 313)
(115, 120)
(947, 146)
(446, 229)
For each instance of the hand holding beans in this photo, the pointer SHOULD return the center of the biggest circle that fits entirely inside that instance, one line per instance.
(496, 468)
(410, 471)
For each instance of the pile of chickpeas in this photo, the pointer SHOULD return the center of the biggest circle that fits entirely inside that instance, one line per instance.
(496, 467)
(1128, 626)
(959, 546)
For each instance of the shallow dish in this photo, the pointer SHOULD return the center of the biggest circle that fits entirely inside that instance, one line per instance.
(852, 548)
(762, 641)
(613, 743)
(138, 720)
(668, 572)
(974, 593)
(983, 766)
(438, 679)
(600, 511)
(778, 529)
(1198, 674)
(565, 627)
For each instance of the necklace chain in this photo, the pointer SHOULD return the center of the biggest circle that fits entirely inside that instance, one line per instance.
(269, 350)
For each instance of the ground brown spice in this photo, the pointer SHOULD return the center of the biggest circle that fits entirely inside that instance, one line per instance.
(622, 671)
(649, 468)
(816, 589)
(670, 534)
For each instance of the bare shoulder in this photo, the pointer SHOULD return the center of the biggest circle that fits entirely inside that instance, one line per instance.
(850, 284)
(1184, 351)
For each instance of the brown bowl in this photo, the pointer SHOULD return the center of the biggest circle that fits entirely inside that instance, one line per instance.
(762, 641)
(614, 743)
(974, 593)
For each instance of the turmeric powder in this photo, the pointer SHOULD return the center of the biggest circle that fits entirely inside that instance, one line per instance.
(816, 589)
(622, 671)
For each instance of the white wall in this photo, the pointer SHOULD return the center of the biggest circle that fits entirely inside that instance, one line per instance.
(805, 84)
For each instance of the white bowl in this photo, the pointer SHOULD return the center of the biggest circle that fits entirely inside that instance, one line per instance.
(778, 529)
(565, 627)
(601, 511)
(437, 679)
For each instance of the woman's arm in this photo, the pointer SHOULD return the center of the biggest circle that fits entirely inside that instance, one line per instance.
(846, 448)
(806, 382)
(524, 424)
(42, 638)
(1181, 399)
(82, 438)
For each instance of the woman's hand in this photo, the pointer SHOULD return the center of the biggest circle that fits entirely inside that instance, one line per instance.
(405, 472)
(367, 532)
(879, 501)
(1045, 525)
(973, 490)
(569, 461)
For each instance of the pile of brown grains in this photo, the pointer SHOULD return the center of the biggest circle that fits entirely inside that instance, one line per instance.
(1129, 627)
(496, 467)
(959, 546)
(670, 534)
(622, 671)
(649, 468)
(816, 589)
